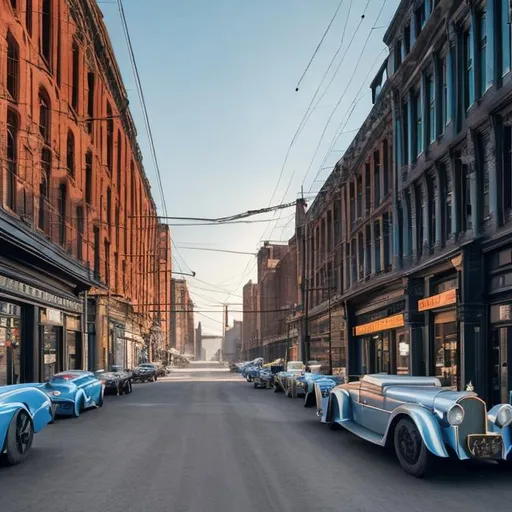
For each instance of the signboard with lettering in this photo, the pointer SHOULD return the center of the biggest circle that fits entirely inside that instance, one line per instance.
(438, 301)
(384, 324)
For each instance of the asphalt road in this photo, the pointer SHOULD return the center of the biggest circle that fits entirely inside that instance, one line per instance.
(207, 441)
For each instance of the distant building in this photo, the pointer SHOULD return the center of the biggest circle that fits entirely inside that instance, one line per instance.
(232, 342)
(182, 318)
(251, 313)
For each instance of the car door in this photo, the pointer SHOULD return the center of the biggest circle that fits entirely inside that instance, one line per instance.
(373, 415)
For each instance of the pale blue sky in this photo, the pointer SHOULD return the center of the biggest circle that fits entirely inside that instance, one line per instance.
(219, 79)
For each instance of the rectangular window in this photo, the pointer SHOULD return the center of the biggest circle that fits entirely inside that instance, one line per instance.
(90, 101)
(420, 20)
(13, 67)
(116, 270)
(506, 188)
(75, 79)
(97, 259)
(431, 215)
(62, 199)
(352, 202)
(368, 188)
(420, 211)
(444, 88)
(419, 123)
(482, 36)
(405, 135)
(385, 166)
(407, 38)
(107, 261)
(360, 250)
(368, 250)
(337, 227)
(376, 178)
(377, 243)
(386, 234)
(462, 173)
(483, 178)
(88, 177)
(46, 30)
(359, 196)
(398, 54)
(329, 231)
(80, 232)
(469, 80)
(353, 263)
(431, 109)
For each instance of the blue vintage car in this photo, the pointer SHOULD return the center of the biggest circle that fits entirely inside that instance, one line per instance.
(74, 391)
(24, 410)
(421, 420)
(283, 380)
(251, 369)
(305, 385)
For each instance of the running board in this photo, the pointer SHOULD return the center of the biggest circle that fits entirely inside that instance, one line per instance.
(362, 432)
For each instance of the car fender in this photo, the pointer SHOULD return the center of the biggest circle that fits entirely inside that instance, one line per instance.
(340, 406)
(506, 433)
(7, 412)
(427, 425)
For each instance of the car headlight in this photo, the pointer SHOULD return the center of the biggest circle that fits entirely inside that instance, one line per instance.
(455, 415)
(56, 393)
(504, 416)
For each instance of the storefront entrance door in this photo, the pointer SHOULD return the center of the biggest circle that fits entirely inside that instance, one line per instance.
(501, 347)
(52, 350)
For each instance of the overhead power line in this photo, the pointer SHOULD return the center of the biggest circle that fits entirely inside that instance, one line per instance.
(216, 250)
(319, 45)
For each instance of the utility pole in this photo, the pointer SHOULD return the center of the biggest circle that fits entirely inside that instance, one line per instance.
(301, 203)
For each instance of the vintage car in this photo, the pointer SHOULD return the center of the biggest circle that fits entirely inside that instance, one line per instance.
(117, 382)
(145, 372)
(283, 380)
(74, 391)
(265, 377)
(251, 369)
(24, 411)
(304, 385)
(421, 420)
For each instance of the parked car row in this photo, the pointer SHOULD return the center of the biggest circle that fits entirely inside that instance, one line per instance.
(25, 409)
(416, 416)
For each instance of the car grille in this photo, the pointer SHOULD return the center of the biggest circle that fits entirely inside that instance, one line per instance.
(475, 419)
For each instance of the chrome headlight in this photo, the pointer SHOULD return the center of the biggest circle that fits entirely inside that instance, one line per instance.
(504, 416)
(56, 393)
(455, 415)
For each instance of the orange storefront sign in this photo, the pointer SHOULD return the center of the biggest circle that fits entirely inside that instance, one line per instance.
(391, 322)
(438, 301)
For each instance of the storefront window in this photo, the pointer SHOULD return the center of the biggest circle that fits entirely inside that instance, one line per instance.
(375, 354)
(10, 349)
(51, 343)
(403, 351)
(447, 349)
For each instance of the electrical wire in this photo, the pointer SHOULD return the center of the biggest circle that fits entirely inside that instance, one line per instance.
(319, 45)
(344, 92)
(216, 250)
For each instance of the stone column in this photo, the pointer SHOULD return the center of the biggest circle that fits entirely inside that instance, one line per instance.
(439, 191)
(415, 321)
(468, 158)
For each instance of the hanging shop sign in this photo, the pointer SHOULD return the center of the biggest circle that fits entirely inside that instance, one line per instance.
(438, 301)
(32, 293)
(384, 324)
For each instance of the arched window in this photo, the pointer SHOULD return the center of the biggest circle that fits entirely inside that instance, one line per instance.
(45, 116)
(14, 4)
(44, 190)
(46, 30)
(110, 138)
(13, 67)
(12, 157)
(70, 153)
(88, 177)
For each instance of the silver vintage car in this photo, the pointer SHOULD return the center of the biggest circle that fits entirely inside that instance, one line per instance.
(420, 419)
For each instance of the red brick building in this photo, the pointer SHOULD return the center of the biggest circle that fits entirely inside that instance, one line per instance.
(182, 318)
(73, 189)
(250, 333)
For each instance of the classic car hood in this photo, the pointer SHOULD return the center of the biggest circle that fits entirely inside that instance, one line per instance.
(432, 397)
(4, 390)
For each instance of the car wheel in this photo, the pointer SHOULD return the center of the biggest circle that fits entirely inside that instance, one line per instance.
(100, 401)
(410, 449)
(20, 435)
(155, 379)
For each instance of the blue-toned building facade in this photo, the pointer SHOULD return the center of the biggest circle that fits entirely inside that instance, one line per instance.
(449, 73)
